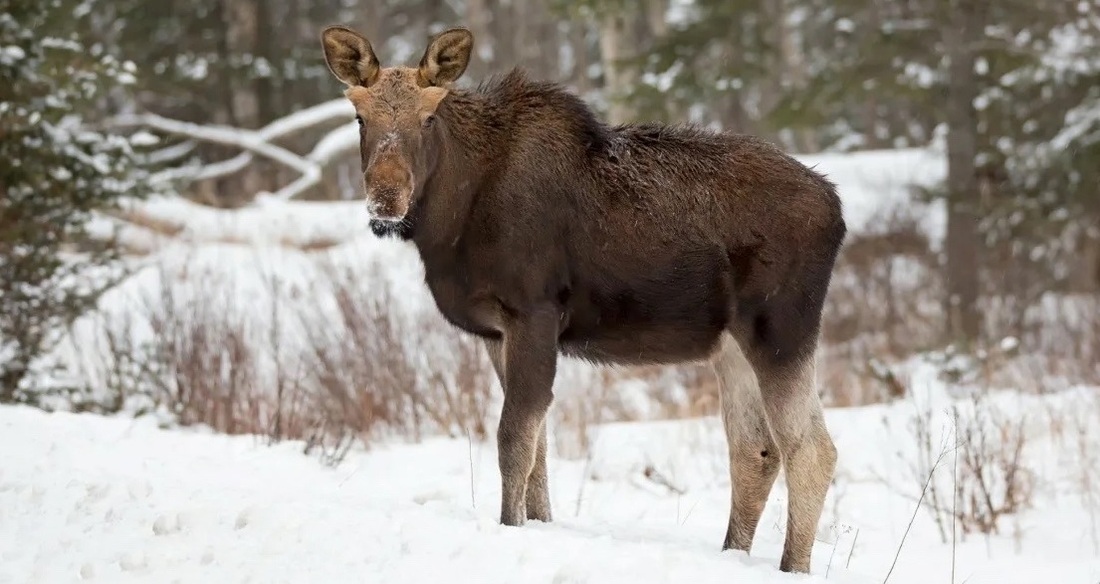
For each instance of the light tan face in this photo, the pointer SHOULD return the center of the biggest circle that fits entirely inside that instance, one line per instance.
(395, 108)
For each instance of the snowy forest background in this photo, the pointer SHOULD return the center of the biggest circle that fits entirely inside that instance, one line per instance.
(182, 239)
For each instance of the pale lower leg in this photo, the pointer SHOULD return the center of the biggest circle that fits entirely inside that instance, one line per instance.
(517, 440)
(538, 483)
(754, 457)
(809, 456)
(536, 496)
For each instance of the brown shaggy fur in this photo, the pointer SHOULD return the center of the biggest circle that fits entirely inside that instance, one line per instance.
(549, 233)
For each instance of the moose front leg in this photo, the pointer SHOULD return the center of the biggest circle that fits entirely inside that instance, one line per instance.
(538, 483)
(529, 364)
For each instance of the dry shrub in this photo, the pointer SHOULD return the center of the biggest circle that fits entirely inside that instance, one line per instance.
(1074, 427)
(885, 291)
(331, 365)
(373, 368)
(1085, 426)
(195, 351)
(315, 243)
(993, 479)
(971, 470)
(883, 305)
(592, 395)
(1060, 335)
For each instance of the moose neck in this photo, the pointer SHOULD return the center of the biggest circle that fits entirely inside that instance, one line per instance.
(470, 143)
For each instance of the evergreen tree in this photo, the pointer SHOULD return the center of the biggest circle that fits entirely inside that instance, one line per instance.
(721, 54)
(894, 70)
(56, 171)
(1047, 113)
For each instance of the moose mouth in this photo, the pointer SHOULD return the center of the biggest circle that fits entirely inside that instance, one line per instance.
(383, 228)
(399, 229)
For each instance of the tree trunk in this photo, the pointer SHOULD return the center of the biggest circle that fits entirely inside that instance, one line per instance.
(578, 33)
(503, 27)
(241, 35)
(549, 35)
(618, 78)
(960, 38)
(793, 70)
(524, 44)
(478, 18)
(1085, 277)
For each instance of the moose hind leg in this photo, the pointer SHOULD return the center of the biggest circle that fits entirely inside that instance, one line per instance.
(754, 457)
(809, 456)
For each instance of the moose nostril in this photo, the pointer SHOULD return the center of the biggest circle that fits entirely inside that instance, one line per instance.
(385, 194)
(386, 202)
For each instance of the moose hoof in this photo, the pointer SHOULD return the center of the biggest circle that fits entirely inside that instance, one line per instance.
(796, 567)
(513, 519)
(541, 517)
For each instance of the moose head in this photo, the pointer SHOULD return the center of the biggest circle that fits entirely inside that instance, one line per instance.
(400, 138)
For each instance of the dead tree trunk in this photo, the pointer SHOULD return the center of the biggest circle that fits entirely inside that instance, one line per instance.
(961, 37)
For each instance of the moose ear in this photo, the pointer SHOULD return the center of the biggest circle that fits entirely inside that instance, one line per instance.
(446, 57)
(349, 56)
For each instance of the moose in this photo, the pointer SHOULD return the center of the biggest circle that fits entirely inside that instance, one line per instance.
(548, 233)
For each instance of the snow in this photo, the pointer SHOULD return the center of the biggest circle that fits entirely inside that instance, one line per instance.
(309, 117)
(681, 12)
(119, 500)
(279, 223)
(10, 54)
(873, 183)
(143, 138)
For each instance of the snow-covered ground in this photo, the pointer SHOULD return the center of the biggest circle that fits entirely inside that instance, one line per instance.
(84, 497)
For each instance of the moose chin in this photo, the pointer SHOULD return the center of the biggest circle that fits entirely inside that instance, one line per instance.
(396, 229)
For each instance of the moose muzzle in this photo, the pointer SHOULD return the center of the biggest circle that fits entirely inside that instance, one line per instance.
(388, 184)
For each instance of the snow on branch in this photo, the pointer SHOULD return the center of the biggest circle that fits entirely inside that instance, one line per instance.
(337, 142)
(280, 128)
(246, 139)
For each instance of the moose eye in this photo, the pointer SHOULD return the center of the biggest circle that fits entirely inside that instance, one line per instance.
(359, 120)
(429, 120)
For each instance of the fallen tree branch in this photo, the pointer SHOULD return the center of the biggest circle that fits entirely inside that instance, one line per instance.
(336, 143)
(246, 139)
(280, 128)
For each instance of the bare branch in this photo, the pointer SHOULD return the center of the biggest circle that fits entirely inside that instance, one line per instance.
(280, 128)
(338, 142)
(246, 139)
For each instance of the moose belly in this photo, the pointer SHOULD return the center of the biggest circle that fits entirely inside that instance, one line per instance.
(652, 320)
(641, 345)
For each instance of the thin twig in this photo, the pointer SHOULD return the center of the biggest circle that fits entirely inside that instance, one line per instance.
(916, 509)
(470, 446)
(829, 567)
(852, 550)
(954, 498)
